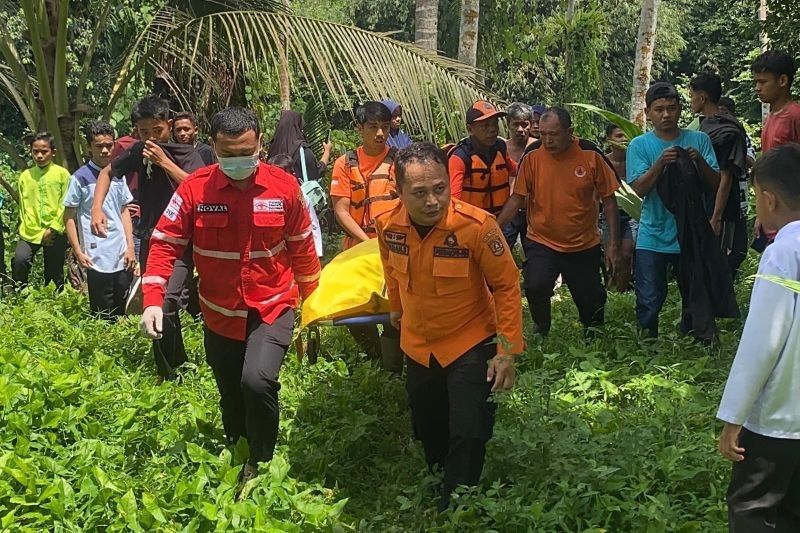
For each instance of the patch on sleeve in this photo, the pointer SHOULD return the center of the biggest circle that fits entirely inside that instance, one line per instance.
(174, 207)
(458, 253)
(496, 246)
(267, 205)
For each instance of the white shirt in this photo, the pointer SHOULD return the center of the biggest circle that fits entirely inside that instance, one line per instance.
(105, 252)
(763, 388)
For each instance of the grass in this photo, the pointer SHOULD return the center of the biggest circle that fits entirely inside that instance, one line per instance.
(612, 434)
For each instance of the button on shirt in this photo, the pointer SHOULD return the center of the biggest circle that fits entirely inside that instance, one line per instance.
(763, 388)
(658, 231)
(41, 201)
(440, 283)
(106, 253)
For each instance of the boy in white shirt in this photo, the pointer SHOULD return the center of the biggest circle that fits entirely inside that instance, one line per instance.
(110, 260)
(761, 402)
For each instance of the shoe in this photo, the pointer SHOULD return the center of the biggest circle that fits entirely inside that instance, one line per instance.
(248, 472)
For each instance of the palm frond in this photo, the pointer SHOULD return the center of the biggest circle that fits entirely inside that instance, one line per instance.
(791, 284)
(630, 129)
(341, 62)
(316, 125)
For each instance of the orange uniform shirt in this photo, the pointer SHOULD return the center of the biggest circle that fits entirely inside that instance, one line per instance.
(440, 283)
(563, 193)
(341, 186)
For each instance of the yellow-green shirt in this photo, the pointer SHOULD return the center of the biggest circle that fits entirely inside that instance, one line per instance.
(41, 201)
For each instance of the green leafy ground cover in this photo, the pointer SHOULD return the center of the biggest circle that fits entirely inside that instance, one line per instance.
(612, 434)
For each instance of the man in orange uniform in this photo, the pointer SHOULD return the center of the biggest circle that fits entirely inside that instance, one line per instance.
(562, 178)
(362, 183)
(480, 167)
(460, 338)
(254, 252)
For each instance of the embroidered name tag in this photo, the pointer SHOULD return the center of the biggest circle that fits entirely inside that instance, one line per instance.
(458, 253)
(212, 208)
(401, 249)
(392, 236)
(267, 205)
(174, 207)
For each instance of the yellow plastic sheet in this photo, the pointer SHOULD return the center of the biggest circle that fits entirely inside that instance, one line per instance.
(351, 285)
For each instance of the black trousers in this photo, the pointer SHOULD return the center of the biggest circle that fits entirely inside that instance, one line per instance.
(734, 243)
(247, 378)
(451, 414)
(168, 351)
(54, 257)
(370, 342)
(107, 292)
(764, 493)
(581, 273)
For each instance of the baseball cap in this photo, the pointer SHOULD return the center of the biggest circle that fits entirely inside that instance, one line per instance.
(659, 90)
(538, 109)
(482, 110)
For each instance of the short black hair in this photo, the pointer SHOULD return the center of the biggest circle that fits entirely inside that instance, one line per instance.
(419, 152)
(234, 121)
(728, 102)
(369, 111)
(95, 128)
(779, 171)
(44, 136)
(708, 82)
(561, 114)
(185, 115)
(282, 161)
(152, 106)
(775, 62)
(610, 127)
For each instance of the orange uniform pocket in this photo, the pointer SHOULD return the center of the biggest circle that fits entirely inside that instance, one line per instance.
(450, 275)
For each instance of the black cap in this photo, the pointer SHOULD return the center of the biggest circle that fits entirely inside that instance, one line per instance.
(659, 90)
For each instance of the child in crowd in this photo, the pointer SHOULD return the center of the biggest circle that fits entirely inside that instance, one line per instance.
(41, 191)
(108, 261)
(761, 402)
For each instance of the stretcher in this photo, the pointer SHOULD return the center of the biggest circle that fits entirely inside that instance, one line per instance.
(351, 291)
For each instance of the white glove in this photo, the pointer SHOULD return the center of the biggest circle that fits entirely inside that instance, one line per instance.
(151, 322)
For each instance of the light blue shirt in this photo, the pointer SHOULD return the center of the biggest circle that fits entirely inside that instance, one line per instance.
(106, 253)
(658, 231)
(763, 388)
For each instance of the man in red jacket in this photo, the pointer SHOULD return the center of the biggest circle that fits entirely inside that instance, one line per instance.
(254, 252)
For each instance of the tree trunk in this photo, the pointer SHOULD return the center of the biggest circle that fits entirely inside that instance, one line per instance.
(762, 19)
(644, 59)
(468, 32)
(426, 24)
(284, 81)
(569, 52)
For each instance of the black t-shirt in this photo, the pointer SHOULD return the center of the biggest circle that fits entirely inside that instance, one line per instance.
(207, 153)
(155, 186)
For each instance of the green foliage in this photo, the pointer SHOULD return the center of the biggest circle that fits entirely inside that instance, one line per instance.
(615, 433)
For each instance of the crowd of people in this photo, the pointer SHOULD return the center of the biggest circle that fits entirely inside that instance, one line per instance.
(448, 220)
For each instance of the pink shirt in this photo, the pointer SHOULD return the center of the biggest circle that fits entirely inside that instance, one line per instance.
(781, 127)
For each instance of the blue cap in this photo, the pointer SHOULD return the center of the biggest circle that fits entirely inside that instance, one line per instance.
(538, 109)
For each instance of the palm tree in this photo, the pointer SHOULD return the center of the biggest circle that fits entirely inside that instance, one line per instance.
(204, 55)
(468, 32)
(426, 24)
(644, 59)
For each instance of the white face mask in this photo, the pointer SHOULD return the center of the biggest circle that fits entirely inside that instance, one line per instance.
(240, 167)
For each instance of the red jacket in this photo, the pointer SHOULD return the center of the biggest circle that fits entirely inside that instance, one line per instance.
(252, 248)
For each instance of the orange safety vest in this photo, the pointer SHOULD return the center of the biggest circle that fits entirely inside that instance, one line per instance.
(370, 193)
(485, 185)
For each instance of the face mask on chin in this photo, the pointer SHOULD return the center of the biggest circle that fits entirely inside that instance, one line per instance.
(238, 168)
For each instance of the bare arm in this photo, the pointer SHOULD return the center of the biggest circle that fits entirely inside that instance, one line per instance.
(514, 203)
(611, 213)
(341, 208)
(99, 219)
(710, 175)
(70, 221)
(721, 200)
(157, 156)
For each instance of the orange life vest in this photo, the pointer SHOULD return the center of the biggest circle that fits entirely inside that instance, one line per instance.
(370, 193)
(486, 185)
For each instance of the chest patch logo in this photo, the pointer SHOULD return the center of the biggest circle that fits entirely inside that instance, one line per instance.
(457, 253)
(580, 171)
(394, 236)
(451, 240)
(267, 205)
(212, 208)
